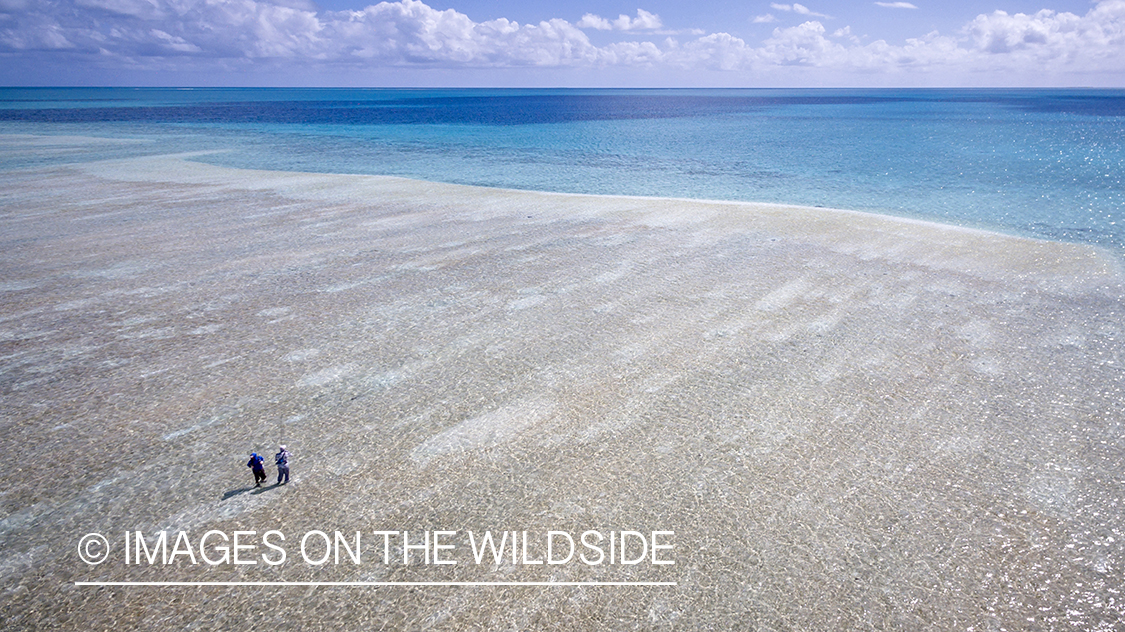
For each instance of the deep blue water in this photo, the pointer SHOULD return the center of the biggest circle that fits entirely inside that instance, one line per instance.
(1046, 163)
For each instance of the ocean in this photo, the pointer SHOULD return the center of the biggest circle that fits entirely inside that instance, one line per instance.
(1040, 163)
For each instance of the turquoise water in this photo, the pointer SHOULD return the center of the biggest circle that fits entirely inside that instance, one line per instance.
(1045, 163)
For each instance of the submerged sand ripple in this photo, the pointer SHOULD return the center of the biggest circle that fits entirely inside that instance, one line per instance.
(850, 422)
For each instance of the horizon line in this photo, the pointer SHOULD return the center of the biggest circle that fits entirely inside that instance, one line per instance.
(571, 87)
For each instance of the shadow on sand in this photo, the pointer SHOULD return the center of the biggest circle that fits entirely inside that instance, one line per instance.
(253, 490)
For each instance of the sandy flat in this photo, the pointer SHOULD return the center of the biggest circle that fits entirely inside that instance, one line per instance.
(848, 421)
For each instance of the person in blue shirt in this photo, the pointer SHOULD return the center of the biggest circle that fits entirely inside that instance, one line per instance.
(282, 460)
(257, 465)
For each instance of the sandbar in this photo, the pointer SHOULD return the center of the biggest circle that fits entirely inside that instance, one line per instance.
(849, 421)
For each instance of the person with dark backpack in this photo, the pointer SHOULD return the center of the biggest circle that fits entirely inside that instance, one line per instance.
(282, 460)
(257, 465)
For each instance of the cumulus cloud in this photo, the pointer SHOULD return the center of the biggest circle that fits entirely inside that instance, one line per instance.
(808, 45)
(718, 51)
(412, 34)
(764, 19)
(1052, 41)
(802, 45)
(644, 21)
(846, 33)
(1045, 30)
(591, 21)
(896, 5)
(389, 33)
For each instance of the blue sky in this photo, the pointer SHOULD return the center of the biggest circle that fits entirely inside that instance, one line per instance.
(538, 43)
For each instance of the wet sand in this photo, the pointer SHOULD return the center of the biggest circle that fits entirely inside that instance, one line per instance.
(848, 421)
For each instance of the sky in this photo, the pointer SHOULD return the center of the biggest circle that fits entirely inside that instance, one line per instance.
(579, 43)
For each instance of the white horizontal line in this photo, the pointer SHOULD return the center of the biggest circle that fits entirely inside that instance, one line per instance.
(375, 583)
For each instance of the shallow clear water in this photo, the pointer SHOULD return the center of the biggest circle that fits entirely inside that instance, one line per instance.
(848, 423)
(1046, 163)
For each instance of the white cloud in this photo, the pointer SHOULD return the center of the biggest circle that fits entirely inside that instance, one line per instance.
(764, 19)
(591, 21)
(1003, 33)
(45, 37)
(896, 5)
(411, 34)
(802, 45)
(846, 33)
(175, 43)
(632, 54)
(644, 21)
(806, 45)
(1050, 41)
(799, 9)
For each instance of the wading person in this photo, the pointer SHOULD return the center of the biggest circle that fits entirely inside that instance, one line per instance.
(257, 465)
(282, 460)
